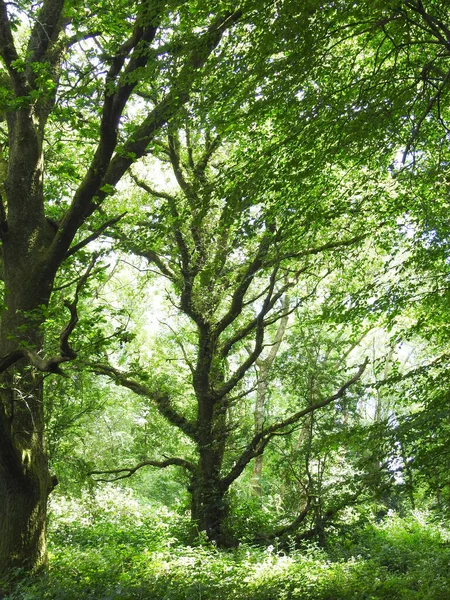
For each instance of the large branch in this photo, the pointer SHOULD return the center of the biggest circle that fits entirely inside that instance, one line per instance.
(9, 54)
(261, 439)
(246, 329)
(175, 99)
(237, 300)
(129, 471)
(328, 246)
(174, 155)
(436, 26)
(94, 235)
(46, 28)
(240, 372)
(161, 400)
(105, 172)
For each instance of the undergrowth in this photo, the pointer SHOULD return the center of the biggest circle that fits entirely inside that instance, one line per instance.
(112, 547)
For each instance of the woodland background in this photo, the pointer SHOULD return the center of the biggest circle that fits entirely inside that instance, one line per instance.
(224, 331)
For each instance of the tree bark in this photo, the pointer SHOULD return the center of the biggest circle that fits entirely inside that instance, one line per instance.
(25, 480)
(209, 505)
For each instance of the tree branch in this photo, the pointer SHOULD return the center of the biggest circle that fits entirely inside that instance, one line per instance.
(147, 188)
(9, 53)
(261, 439)
(246, 279)
(129, 471)
(94, 235)
(259, 340)
(45, 30)
(325, 247)
(161, 400)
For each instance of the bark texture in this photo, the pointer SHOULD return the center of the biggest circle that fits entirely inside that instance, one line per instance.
(25, 481)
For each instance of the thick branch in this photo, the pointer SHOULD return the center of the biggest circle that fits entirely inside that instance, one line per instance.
(161, 400)
(66, 350)
(147, 188)
(250, 326)
(325, 247)
(105, 173)
(246, 279)
(295, 524)
(240, 372)
(176, 165)
(94, 235)
(129, 471)
(9, 53)
(200, 167)
(45, 30)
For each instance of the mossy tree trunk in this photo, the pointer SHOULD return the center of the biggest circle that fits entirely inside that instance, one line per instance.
(25, 481)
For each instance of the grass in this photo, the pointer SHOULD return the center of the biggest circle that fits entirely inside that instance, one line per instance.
(114, 547)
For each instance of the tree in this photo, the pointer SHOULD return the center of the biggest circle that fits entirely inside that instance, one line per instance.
(264, 366)
(230, 257)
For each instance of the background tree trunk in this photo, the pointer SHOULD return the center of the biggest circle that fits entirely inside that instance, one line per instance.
(264, 366)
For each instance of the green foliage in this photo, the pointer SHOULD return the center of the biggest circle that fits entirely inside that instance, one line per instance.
(113, 546)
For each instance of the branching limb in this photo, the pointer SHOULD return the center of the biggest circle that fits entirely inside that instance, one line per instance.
(328, 246)
(174, 155)
(66, 350)
(246, 329)
(200, 167)
(94, 235)
(240, 372)
(429, 107)
(175, 99)
(261, 439)
(154, 258)
(46, 28)
(160, 400)
(345, 501)
(129, 471)
(9, 53)
(267, 361)
(294, 525)
(246, 279)
(147, 188)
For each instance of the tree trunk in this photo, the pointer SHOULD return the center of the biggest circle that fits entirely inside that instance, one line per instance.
(209, 506)
(260, 408)
(25, 481)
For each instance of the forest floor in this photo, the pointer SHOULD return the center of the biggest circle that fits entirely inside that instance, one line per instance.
(105, 551)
